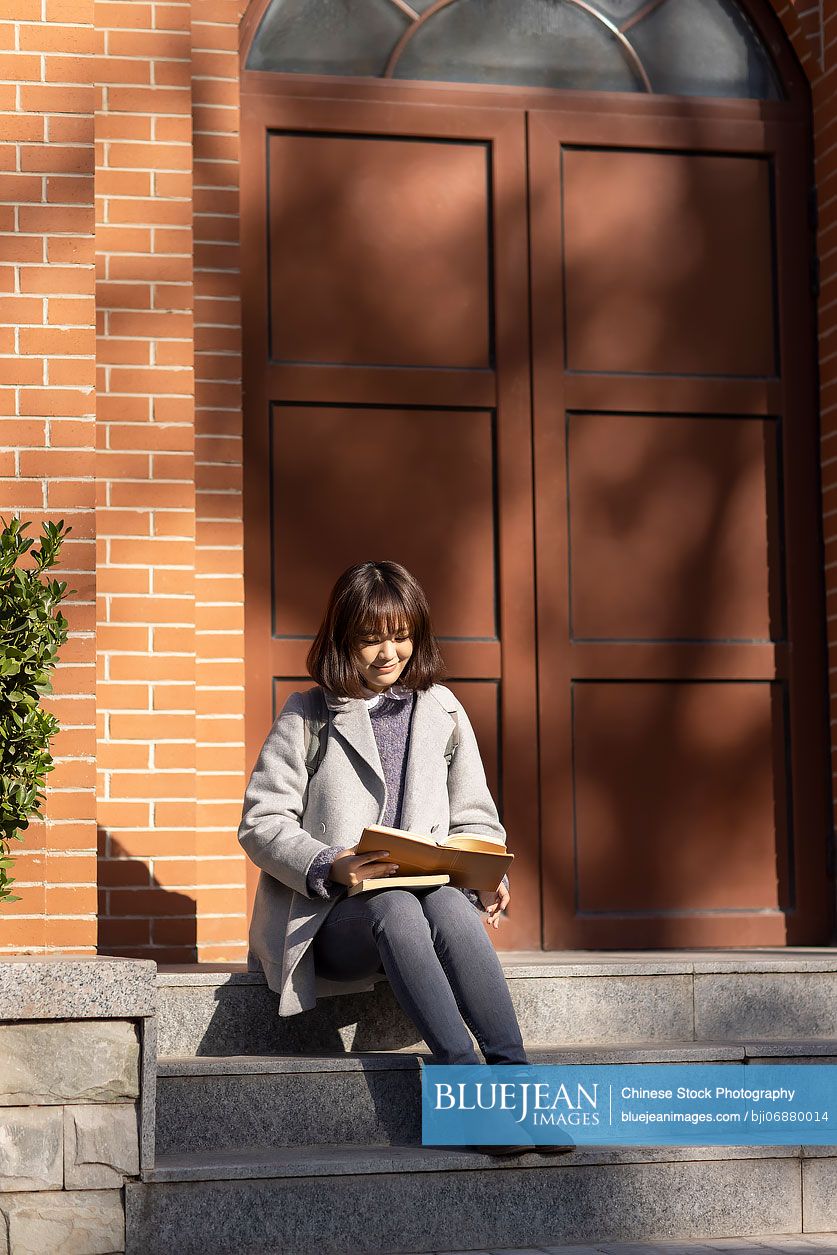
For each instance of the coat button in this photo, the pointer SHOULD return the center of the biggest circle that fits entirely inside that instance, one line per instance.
(322, 826)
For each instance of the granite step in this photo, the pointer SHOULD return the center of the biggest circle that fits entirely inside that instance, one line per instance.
(568, 996)
(765, 1244)
(344, 1200)
(231, 1103)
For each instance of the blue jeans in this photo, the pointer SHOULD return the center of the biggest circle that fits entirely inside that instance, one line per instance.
(442, 967)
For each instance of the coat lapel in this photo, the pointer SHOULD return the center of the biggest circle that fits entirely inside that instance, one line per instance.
(350, 718)
(431, 728)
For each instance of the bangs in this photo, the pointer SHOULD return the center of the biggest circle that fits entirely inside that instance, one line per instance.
(385, 615)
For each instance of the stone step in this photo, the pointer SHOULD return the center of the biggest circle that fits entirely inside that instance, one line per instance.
(232, 1103)
(398, 1199)
(569, 996)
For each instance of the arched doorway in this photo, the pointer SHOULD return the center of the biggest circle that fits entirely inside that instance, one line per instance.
(535, 276)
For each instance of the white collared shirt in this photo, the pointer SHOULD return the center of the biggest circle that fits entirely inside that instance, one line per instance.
(399, 691)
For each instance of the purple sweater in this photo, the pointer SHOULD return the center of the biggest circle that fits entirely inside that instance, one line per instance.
(391, 715)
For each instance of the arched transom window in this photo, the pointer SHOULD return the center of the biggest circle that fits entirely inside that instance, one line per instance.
(679, 47)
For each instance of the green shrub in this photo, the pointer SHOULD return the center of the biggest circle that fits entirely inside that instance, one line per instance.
(30, 636)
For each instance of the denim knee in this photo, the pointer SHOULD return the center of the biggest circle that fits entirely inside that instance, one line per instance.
(446, 904)
(388, 906)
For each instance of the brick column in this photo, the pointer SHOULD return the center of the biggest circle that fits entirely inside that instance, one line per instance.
(47, 402)
(218, 445)
(146, 483)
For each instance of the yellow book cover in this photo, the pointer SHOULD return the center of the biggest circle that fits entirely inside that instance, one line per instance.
(397, 882)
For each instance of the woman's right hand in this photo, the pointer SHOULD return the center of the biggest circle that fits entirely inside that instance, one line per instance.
(348, 868)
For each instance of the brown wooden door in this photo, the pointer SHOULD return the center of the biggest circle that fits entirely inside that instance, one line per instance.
(388, 406)
(683, 733)
(554, 355)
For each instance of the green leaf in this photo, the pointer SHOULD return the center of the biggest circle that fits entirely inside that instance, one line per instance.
(32, 632)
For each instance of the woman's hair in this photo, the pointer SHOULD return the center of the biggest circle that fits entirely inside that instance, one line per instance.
(373, 599)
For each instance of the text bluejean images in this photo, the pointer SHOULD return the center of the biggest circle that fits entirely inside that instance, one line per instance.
(630, 1104)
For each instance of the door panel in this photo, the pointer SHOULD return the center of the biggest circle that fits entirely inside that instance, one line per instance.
(682, 739)
(662, 275)
(675, 806)
(379, 250)
(669, 537)
(388, 407)
(438, 481)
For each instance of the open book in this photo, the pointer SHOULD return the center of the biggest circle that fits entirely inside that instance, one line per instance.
(469, 860)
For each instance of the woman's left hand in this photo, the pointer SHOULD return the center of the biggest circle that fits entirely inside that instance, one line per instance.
(494, 902)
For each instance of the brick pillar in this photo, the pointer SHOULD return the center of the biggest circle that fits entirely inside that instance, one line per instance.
(146, 483)
(47, 403)
(219, 611)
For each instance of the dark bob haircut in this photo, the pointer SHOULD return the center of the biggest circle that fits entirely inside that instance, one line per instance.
(373, 599)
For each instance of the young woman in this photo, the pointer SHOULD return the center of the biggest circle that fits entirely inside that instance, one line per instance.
(390, 723)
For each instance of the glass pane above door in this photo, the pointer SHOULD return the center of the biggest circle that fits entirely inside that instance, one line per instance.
(674, 47)
(327, 37)
(537, 43)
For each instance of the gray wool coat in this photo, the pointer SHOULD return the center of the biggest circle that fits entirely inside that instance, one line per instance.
(282, 829)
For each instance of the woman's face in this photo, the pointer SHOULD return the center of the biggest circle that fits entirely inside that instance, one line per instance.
(381, 660)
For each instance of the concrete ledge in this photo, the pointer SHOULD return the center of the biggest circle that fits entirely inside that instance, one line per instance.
(76, 987)
(374, 1061)
(821, 1050)
(532, 964)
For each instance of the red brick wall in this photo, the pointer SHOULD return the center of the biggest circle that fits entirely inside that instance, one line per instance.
(133, 435)
(135, 439)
